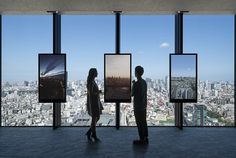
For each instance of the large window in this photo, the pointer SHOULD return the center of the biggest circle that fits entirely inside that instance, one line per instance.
(150, 39)
(212, 37)
(85, 39)
(23, 38)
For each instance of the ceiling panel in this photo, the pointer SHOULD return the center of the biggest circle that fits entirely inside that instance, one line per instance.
(127, 6)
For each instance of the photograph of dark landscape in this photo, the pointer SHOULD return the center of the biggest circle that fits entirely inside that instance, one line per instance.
(183, 75)
(52, 78)
(117, 78)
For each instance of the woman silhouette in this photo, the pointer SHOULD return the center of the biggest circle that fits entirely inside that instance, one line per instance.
(94, 106)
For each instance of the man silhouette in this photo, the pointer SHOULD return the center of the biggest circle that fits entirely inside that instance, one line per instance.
(139, 91)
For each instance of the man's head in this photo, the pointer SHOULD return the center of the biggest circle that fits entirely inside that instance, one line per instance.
(139, 71)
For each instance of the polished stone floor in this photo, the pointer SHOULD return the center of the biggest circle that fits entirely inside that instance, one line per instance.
(164, 142)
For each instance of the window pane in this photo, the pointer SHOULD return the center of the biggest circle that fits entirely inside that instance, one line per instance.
(150, 39)
(85, 39)
(212, 38)
(23, 38)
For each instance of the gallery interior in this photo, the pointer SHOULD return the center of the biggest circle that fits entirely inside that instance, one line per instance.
(180, 43)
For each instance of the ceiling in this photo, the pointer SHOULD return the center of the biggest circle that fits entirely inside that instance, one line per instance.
(126, 6)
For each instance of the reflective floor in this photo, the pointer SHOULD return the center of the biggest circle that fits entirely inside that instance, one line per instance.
(163, 142)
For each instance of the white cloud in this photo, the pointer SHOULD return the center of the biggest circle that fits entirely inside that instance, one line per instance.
(164, 45)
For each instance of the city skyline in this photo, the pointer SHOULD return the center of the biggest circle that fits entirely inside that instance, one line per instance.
(85, 42)
(217, 98)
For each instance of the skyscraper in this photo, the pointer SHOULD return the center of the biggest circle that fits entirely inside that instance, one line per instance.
(167, 83)
(199, 115)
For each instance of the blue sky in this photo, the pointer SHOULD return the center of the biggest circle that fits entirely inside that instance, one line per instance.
(86, 38)
(183, 66)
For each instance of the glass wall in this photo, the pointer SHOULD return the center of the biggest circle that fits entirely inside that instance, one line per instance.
(23, 38)
(212, 37)
(150, 39)
(85, 39)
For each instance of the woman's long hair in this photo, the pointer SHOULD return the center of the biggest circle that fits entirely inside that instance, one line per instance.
(91, 76)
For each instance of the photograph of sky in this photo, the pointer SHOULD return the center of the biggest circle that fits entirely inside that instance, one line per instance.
(51, 65)
(118, 66)
(52, 78)
(183, 65)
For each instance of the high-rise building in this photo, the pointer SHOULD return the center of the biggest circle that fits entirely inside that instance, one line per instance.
(212, 86)
(167, 83)
(26, 83)
(199, 115)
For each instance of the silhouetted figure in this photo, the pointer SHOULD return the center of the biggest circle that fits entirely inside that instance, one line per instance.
(139, 91)
(94, 106)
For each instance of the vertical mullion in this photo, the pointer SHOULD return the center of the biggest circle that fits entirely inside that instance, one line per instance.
(117, 51)
(179, 50)
(176, 50)
(56, 50)
(117, 32)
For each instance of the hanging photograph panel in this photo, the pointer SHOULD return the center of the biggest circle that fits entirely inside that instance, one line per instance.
(183, 78)
(117, 77)
(52, 77)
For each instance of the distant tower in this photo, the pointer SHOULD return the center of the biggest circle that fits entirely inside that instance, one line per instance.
(167, 83)
(206, 85)
(199, 115)
(212, 86)
(26, 83)
(149, 83)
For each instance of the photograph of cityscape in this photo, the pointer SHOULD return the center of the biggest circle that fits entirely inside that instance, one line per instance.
(52, 78)
(149, 38)
(183, 77)
(117, 77)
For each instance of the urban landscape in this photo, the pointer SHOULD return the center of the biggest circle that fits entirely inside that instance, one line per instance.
(215, 105)
(183, 87)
